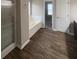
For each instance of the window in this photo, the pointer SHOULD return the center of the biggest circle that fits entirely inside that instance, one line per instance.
(50, 9)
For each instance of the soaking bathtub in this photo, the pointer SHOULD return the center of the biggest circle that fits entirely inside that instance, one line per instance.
(34, 26)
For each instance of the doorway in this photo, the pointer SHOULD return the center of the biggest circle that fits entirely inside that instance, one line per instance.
(48, 14)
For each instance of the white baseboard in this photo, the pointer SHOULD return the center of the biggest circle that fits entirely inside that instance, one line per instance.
(71, 34)
(25, 44)
(54, 29)
(33, 30)
(7, 50)
(63, 31)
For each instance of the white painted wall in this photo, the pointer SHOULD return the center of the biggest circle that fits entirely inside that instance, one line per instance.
(73, 10)
(62, 15)
(22, 22)
(54, 14)
(37, 9)
(65, 14)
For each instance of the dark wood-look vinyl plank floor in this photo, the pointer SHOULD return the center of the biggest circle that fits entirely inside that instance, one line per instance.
(47, 44)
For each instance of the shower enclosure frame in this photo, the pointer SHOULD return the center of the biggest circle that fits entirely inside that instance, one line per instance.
(10, 47)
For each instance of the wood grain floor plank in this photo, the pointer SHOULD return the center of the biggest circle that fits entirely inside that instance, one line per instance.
(47, 44)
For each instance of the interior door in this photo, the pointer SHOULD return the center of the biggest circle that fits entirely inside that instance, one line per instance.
(7, 23)
(48, 14)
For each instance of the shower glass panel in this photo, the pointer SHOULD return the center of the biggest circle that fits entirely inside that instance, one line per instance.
(7, 23)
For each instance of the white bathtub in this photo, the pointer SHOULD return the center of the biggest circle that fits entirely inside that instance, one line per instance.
(34, 26)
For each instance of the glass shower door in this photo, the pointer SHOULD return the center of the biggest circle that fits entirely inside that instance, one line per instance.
(7, 23)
